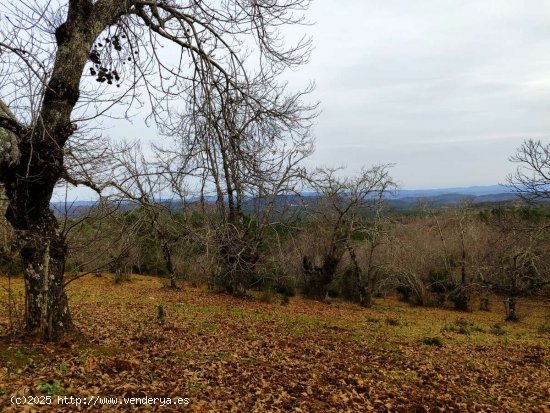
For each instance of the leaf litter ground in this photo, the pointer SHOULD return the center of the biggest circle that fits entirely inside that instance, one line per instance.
(229, 354)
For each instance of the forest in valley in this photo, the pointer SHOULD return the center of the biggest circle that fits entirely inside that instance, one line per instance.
(217, 265)
(340, 242)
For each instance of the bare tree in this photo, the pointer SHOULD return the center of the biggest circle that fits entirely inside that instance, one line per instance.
(99, 237)
(436, 255)
(51, 52)
(409, 264)
(340, 206)
(246, 157)
(141, 183)
(458, 244)
(531, 181)
(517, 263)
(371, 235)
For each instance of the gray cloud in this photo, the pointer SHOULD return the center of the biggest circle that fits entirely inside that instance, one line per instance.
(445, 89)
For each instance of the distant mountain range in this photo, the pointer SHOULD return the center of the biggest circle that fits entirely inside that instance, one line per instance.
(452, 196)
(400, 198)
(469, 191)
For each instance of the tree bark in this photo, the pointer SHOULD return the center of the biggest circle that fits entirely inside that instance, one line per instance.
(368, 283)
(484, 302)
(29, 182)
(29, 186)
(510, 304)
(319, 278)
(43, 255)
(168, 262)
(365, 296)
(362, 282)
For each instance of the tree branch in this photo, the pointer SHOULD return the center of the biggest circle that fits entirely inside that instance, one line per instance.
(9, 122)
(76, 182)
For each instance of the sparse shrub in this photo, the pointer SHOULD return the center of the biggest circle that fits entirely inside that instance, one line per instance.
(411, 296)
(285, 300)
(498, 330)
(334, 290)
(52, 389)
(220, 281)
(285, 288)
(372, 320)
(544, 328)
(348, 285)
(432, 341)
(122, 275)
(142, 333)
(392, 322)
(267, 296)
(461, 322)
(146, 330)
(161, 314)
(466, 330)
(14, 307)
(478, 329)
(460, 299)
(434, 300)
(460, 326)
(440, 281)
(404, 293)
(237, 252)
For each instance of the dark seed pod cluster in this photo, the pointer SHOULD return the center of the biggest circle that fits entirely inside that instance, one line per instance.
(105, 75)
(106, 72)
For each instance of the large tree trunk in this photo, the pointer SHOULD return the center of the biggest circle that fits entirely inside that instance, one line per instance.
(46, 308)
(510, 306)
(167, 255)
(30, 179)
(29, 186)
(42, 249)
(318, 279)
(364, 288)
(365, 296)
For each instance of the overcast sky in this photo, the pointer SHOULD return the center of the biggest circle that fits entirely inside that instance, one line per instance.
(446, 89)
